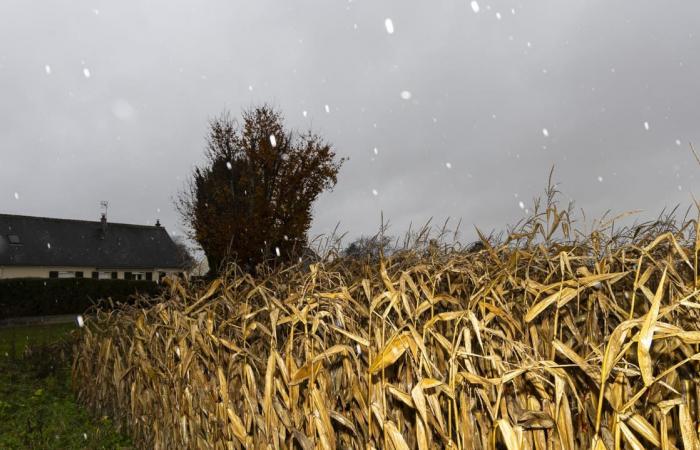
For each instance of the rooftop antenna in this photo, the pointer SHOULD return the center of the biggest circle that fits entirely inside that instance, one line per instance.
(104, 205)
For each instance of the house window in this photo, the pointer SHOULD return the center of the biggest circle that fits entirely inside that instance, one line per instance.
(53, 274)
(14, 239)
(95, 275)
(149, 276)
(138, 275)
(127, 275)
(78, 274)
(115, 275)
(66, 274)
(104, 275)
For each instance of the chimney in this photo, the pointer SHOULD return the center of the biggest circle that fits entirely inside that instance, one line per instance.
(157, 222)
(103, 222)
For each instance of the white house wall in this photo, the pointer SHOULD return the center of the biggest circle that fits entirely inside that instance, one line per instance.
(43, 272)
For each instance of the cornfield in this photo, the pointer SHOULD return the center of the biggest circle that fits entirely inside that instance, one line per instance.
(546, 338)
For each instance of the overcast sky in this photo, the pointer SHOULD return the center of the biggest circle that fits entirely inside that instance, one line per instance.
(468, 104)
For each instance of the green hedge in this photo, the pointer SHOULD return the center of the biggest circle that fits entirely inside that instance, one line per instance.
(36, 297)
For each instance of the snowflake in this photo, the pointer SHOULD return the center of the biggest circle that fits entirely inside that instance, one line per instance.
(389, 25)
(545, 132)
(475, 6)
(273, 140)
(406, 95)
(86, 72)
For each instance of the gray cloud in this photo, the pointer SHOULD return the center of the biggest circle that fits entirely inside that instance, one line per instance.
(482, 90)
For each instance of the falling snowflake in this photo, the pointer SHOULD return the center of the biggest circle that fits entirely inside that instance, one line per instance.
(376, 151)
(277, 251)
(304, 113)
(273, 140)
(85, 436)
(545, 132)
(48, 245)
(521, 204)
(678, 142)
(680, 188)
(600, 179)
(79, 319)
(86, 72)
(529, 44)
(475, 6)
(498, 16)
(228, 165)
(406, 95)
(375, 192)
(389, 25)
(512, 11)
(646, 126)
(327, 108)
(47, 68)
(448, 165)
(96, 12)
(250, 87)
(16, 195)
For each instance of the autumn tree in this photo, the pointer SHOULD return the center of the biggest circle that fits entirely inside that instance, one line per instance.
(371, 248)
(184, 254)
(251, 201)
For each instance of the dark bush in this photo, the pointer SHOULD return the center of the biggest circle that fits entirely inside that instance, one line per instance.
(37, 297)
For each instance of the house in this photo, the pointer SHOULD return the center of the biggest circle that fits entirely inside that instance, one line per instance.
(42, 247)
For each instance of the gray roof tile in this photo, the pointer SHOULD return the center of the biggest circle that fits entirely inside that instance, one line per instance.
(63, 242)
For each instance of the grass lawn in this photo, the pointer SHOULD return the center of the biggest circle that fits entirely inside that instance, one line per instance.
(37, 406)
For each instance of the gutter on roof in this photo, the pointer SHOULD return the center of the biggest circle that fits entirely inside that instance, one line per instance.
(96, 267)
